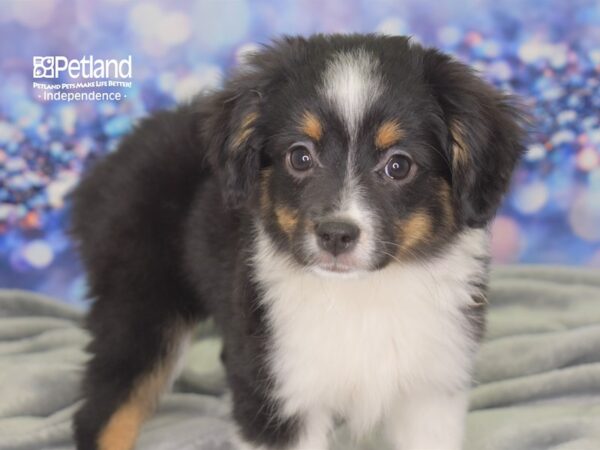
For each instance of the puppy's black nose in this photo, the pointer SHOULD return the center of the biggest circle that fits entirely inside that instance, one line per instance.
(337, 236)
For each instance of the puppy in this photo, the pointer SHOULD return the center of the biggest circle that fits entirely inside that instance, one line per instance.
(328, 208)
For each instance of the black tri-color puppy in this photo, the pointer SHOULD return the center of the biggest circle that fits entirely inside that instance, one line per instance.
(328, 207)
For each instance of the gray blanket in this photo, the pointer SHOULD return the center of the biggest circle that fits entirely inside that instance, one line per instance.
(537, 376)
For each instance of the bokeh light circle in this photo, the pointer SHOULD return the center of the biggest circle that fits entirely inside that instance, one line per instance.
(584, 216)
(38, 254)
(506, 240)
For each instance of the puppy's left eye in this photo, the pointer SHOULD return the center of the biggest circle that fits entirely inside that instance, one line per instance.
(398, 167)
(300, 158)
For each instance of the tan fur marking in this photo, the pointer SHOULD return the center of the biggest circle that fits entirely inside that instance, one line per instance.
(241, 138)
(287, 219)
(460, 154)
(446, 200)
(249, 120)
(311, 126)
(246, 129)
(388, 134)
(123, 427)
(121, 431)
(413, 230)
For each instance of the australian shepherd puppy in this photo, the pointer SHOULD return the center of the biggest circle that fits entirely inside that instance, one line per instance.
(328, 207)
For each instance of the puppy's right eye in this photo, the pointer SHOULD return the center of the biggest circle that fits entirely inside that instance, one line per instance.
(300, 158)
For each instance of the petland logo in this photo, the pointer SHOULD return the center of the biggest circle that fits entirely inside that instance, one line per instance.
(58, 78)
(87, 67)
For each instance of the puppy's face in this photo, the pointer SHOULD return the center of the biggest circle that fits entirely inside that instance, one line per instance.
(357, 176)
(362, 161)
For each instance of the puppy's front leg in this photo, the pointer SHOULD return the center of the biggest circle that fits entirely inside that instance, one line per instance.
(304, 443)
(428, 420)
(310, 434)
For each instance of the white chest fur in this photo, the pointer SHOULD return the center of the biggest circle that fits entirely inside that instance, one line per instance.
(348, 346)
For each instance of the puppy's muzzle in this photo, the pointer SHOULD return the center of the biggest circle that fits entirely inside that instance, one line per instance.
(337, 237)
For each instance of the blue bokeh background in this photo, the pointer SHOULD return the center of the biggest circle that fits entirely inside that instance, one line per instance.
(546, 51)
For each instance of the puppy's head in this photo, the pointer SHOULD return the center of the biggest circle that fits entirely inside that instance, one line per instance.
(354, 152)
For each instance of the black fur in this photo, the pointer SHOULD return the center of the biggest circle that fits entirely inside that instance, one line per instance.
(165, 223)
(493, 132)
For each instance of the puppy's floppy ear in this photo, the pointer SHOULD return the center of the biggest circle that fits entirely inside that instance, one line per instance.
(485, 139)
(230, 129)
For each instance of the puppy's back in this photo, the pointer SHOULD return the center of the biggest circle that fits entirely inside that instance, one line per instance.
(128, 211)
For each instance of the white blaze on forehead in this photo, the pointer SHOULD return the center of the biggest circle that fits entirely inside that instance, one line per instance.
(352, 83)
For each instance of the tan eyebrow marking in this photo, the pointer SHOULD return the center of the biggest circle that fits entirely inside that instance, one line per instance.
(459, 149)
(388, 134)
(246, 129)
(311, 126)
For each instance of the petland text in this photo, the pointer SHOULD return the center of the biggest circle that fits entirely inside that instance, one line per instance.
(86, 67)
